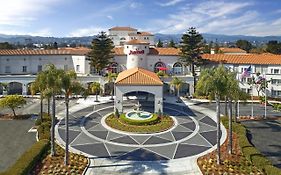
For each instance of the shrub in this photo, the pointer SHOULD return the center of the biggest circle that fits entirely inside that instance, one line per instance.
(249, 151)
(28, 160)
(38, 121)
(44, 130)
(153, 120)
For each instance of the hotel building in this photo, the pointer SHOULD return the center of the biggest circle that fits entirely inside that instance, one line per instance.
(18, 68)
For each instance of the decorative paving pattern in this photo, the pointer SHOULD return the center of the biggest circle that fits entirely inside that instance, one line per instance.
(193, 134)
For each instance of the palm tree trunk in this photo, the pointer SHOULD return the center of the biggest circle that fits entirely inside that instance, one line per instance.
(97, 98)
(49, 106)
(235, 111)
(178, 94)
(230, 126)
(218, 128)
(53, 151)
(225, 106)
(14, 112)
(193, 74)
(41, 109)
(66, 130)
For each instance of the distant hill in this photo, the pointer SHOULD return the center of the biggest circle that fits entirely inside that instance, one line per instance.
(219, 38)
(22, 39)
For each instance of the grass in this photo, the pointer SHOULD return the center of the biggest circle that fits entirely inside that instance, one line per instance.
(163, 124)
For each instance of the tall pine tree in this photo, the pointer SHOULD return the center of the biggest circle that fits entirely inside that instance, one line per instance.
(159, 44)
(172, 43)
(190, 48)
(101, 52)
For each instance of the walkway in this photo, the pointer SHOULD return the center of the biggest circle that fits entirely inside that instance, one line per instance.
(115, 152)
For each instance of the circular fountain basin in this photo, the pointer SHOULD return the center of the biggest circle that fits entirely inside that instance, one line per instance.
(141, 115)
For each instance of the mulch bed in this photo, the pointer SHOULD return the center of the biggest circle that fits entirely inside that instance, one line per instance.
(55, 165)
(234, 163)
(11, 117)
(257, 118)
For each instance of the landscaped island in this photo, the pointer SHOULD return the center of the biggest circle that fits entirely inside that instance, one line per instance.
(155, 123)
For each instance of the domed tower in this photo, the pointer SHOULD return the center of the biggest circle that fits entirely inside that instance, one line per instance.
(136, 52)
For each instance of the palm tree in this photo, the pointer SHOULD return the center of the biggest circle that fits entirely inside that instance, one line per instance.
(39, 86)
(233, 90)
(52, 79)
(69, 86)
(110, 79)
(213, 83)
(95, 88)
(176, 82)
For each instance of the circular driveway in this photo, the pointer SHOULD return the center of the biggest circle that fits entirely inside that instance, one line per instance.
(192, 134)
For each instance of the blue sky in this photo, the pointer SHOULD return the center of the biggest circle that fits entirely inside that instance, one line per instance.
(88, 17)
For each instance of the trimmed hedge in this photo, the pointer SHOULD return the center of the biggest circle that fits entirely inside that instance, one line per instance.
(44, 131)
(151, 121)
(249, 151)
(28, 160)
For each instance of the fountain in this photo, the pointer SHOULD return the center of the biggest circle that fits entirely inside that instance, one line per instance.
(138, 114)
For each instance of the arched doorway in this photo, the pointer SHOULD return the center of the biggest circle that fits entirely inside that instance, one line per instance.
(146, 99)
(113, 68)
(159, 66)
(109, 88)
(177, 68)
(15, 88)
(184, 89)
(28, 88)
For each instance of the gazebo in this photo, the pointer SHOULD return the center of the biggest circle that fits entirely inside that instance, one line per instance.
(138, 79)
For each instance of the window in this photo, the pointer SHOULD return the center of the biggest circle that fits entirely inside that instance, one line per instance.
(8, 59)
(65, 58)
(24, 68)
(113, 68)
(159, 66)
(7, 69)
(39, 68)
(275, 81)
(177, 68)
(274, 71)
(276, 93)
(77, 68)
(65, 67)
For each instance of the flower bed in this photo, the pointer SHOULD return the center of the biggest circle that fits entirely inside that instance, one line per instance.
(161, 124)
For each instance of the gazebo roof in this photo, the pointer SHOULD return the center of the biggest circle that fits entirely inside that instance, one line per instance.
(138, 76)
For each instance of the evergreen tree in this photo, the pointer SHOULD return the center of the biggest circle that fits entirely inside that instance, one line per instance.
(190, 50)
(159, 44)
(6, 45)
(101, 52)
(244, 44)
(273, 47)
(172, 44)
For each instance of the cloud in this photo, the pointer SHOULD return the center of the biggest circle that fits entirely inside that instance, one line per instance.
(109, 17)
(220, 17)
(134, 5)
(170, 3)
(90, 31)
(41, 32)
(21, 12)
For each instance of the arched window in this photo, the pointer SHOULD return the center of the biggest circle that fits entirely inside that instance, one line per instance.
(160, 66)
(113, 67)
(177, 68)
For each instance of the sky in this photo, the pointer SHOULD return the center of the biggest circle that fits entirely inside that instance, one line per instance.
(67, 18)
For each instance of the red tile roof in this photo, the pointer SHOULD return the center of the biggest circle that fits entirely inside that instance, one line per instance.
(138, 42)
(117, 28)
(64, 51)
(138, 76)
(232, 50)
(141, 34)
(244, 59)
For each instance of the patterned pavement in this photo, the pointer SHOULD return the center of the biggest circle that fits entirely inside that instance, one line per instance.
(193, 134)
